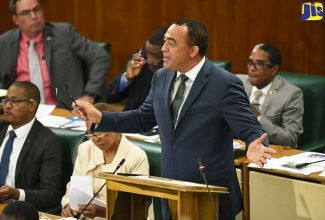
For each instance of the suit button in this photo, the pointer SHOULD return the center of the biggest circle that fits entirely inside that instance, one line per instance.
(174, 147)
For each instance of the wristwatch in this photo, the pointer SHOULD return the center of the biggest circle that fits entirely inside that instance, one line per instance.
(125, 79)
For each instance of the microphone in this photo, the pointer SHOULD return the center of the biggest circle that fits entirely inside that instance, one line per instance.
(82, 211)
(201, 168)
(302, 165)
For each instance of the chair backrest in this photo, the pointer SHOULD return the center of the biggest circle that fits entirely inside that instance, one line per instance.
(313, 88)
(71, 140)
(222, 64)
(153, 152)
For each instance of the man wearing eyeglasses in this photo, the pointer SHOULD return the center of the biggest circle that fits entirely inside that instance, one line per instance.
(134, 81)
(50, 55)
(30, 154)
(277, 104)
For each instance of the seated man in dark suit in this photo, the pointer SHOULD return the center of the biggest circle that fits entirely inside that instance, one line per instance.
(30, 154)
(50, 55)
(19, 211)
(277, 104)
(134, 81)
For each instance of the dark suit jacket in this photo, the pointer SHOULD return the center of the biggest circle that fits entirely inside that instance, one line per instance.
(39, 166)
(65, 52)
(135, 94)
(216, 108)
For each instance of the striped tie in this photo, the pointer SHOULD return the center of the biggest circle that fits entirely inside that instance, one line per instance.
(35, 69)
(257, 96)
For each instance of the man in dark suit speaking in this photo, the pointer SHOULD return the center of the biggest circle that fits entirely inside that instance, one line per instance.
(198, 108)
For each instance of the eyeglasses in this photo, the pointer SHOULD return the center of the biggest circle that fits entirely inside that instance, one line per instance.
(258, 65)
(73, 99)
(27, 13)
(15, 101)
(91, 136)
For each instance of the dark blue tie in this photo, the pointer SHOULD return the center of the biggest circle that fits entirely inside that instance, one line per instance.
(4, 164)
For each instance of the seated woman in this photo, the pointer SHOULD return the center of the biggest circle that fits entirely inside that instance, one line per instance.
(102, 153)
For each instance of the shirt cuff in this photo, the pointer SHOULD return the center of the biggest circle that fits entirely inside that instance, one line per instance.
(124, 83)
(22, 195)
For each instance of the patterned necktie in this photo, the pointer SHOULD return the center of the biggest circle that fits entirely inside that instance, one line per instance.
(176, 104)
(35, 69)
(257, 96)
(4, 164)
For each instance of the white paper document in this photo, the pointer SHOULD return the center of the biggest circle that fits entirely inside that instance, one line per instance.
(236, 145)
(182, 183)
(284, 163)
(63, 122)
(81, 192)
(44, 110)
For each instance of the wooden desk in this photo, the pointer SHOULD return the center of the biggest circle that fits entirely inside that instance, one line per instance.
(278, 194)
(183, 198)
(242, 162)
(63, 112)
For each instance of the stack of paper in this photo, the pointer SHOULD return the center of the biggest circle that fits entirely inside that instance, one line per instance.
(285, 163)
(81, 192)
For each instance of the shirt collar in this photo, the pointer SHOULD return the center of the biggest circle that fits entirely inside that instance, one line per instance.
(38, 39)
(23, 130)
(192, 73)
(263, 90)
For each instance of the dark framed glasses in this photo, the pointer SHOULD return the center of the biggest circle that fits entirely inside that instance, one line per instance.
(91, 136)
(73, 99)
(258, 65)
(15, 101)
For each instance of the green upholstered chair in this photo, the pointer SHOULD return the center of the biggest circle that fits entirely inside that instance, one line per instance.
(313, 88)
(71, 139)
(153, 152)
(222, 64)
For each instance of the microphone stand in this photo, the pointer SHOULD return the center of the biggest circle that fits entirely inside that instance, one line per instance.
(82, 211)
(201, 168)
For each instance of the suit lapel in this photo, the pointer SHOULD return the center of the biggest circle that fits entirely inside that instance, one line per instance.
(47, 39)
(13, 53)
(198, 84)
(26, 146)
(3, 131)
(248, 88)
(170, 79)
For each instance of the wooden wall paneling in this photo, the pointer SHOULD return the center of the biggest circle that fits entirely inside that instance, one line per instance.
(59, 11)
(234, 27)
(6, 22)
